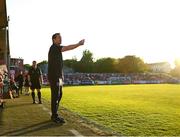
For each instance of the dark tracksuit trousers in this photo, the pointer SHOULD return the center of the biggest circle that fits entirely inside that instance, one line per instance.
(56, 95)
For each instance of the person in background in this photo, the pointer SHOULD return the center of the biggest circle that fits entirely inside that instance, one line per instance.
(26, 85)
(20, 80)
(35, 81)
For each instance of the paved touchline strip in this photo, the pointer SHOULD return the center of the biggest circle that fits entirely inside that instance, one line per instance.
(45, 109)
(75, 132)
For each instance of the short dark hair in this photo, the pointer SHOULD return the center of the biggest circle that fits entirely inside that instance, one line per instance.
(55, 35)
(34, 61)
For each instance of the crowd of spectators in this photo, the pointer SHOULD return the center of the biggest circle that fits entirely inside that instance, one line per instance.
(3, 76)
(117, 78)
(11, 86)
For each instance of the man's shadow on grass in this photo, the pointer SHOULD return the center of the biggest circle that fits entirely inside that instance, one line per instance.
(30, 129)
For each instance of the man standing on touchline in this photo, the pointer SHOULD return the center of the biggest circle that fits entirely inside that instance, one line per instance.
(35, 81)
(55, 74)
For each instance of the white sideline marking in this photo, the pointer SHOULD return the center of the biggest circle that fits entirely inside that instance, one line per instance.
(76, 133)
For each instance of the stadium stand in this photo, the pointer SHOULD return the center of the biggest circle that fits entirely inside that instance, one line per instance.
(116, 78)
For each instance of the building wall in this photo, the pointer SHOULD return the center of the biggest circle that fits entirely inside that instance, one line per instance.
(4, 37)
(3, 47)
(3, 14)
(162, 67)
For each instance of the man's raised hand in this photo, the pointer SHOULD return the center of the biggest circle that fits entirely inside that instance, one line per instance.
(81, 42)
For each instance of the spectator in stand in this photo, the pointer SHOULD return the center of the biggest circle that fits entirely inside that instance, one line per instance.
(14, 92)
(1, 83)
(1, 90)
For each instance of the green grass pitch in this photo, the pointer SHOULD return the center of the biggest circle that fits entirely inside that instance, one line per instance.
(130, 110)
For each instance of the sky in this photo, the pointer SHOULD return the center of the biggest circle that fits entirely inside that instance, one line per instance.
(148, 29)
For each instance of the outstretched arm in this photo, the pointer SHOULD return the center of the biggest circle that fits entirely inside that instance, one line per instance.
(73, 46)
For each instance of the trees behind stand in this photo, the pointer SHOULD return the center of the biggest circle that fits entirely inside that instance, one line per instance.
(128, 64)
